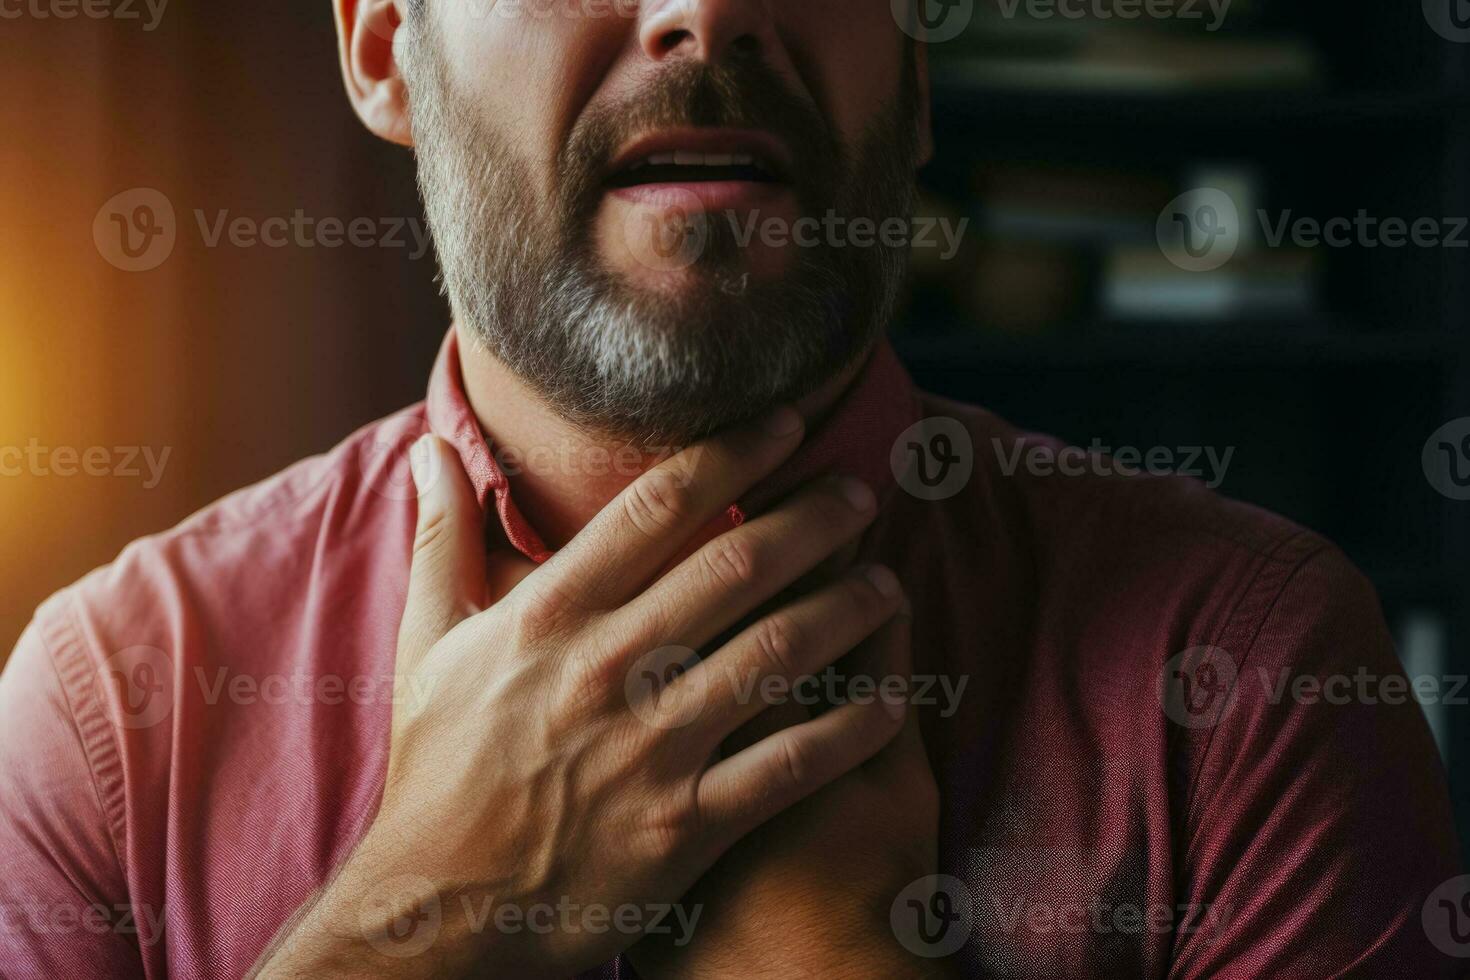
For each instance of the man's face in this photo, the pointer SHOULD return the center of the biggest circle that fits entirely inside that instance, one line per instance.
(646, 210)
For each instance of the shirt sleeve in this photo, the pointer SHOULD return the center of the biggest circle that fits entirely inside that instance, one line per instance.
(1320, 822)
(64, 909)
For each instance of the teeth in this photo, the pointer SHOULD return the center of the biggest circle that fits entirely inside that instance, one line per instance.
(684, 158)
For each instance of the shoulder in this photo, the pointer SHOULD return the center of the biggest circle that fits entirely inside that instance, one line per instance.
(271, 531)
(246, 586)
(1136, 529)
(150, 686)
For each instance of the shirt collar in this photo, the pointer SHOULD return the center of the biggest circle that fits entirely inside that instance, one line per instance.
(855, 438)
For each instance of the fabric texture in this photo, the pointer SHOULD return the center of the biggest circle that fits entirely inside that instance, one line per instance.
(196, 735)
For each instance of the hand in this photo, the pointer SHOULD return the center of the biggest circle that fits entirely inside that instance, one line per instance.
(523, 777)
(809, 893)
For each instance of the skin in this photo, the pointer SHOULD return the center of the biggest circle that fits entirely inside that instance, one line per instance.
(793, 833)
(534, 76)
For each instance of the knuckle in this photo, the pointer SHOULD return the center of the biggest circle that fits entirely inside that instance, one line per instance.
(731, 562)
(541, 609)
(582, 692)
(792, 763)
(778, 640)
(434, 530)
(657, 502)
(597, 673)
(673, 825)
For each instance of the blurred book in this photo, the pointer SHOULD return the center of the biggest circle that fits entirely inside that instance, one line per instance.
(1141, 283)
(1424, 650)
(1069, 206)
(1142, 61)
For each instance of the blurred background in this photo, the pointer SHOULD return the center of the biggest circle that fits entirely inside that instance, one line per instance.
(1138, 267)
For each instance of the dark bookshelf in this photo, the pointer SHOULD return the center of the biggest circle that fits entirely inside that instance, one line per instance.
(1329, 403)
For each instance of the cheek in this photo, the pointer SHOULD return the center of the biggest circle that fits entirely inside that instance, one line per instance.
(528, 75)
(851, 53)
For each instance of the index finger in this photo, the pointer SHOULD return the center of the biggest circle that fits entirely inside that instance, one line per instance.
(613, 558)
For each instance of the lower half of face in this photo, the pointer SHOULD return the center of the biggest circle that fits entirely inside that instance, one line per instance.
(741, 256)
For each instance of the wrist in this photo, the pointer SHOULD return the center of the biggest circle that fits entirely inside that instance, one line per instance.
(383, 916)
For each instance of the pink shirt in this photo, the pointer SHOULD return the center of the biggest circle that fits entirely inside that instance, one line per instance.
(195, 735)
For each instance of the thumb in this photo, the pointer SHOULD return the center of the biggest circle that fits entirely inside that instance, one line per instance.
(446, 582)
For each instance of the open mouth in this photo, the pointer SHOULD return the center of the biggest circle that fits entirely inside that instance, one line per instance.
(696, 156)
(693, 168)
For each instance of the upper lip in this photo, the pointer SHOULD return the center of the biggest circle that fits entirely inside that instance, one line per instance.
(764, 150)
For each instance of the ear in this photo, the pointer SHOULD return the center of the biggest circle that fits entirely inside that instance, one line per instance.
(366, 30)
(925, 121)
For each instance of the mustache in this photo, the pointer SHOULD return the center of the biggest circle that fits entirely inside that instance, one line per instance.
(743, 92)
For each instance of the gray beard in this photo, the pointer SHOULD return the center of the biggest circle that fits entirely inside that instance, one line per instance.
(625, 362)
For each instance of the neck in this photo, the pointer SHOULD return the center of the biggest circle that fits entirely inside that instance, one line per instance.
(562, 474)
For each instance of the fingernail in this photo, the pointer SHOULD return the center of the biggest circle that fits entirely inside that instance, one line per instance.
(857, 493)
(782, 422)
(895, 709)
(418, 460)
(884, 581)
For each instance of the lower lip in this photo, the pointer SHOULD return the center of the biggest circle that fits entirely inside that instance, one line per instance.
(720, 195)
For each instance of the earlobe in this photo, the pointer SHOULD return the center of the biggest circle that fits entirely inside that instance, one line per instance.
(366, 32)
